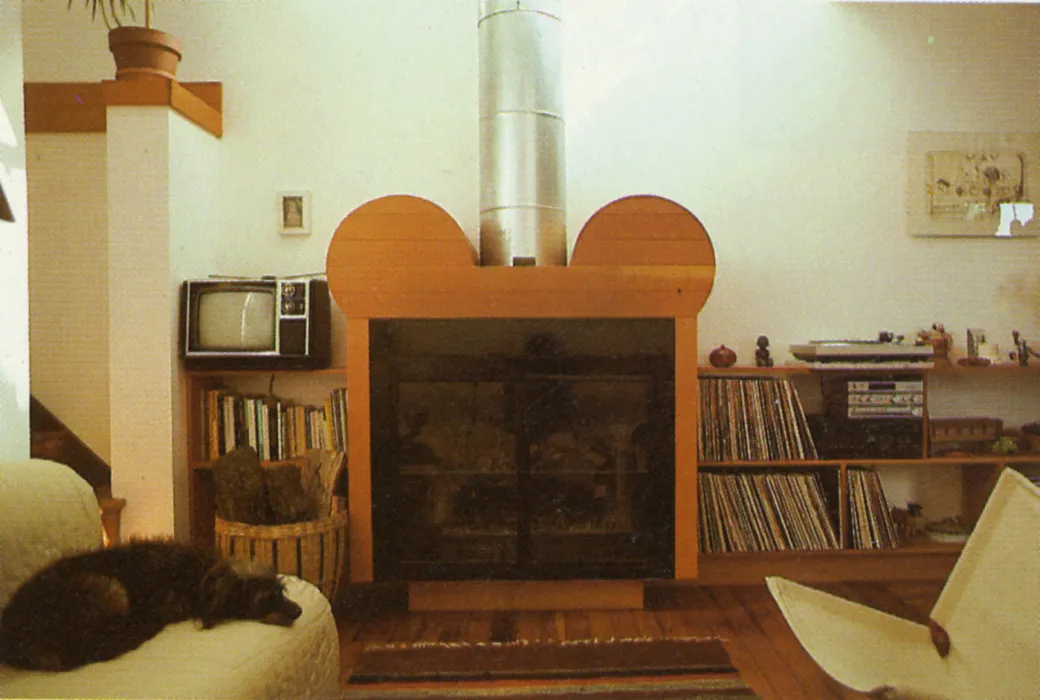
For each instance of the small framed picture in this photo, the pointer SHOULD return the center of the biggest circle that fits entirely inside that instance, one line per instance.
(294, 213)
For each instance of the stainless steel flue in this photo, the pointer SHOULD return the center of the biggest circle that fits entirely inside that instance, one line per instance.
(522, 174)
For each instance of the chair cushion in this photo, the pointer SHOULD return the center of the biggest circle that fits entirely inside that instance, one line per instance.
(237, 660)
(48, 511)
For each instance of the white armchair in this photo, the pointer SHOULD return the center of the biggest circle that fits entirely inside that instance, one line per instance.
(984, 641)
(47, 510)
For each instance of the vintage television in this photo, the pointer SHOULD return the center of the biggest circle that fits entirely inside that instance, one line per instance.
(256, 323)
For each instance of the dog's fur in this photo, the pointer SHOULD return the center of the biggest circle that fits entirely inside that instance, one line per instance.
(96, 606)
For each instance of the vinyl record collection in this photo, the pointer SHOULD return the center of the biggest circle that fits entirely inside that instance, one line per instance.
(764, 511)
(277, 429)
(870, 518)
(751, 418)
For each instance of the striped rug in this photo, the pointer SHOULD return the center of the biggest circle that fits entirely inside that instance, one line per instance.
(589, 669)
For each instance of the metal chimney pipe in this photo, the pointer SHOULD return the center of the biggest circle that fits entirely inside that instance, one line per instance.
(522, 175)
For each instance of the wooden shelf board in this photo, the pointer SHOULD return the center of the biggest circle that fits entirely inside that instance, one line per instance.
(771, 464)
(954, 368)
(980, 460)
(751, 371)
(805, 369)
(931, 563)
(81, 107)
(329, 371)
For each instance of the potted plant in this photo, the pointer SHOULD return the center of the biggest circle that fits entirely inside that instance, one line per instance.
(138, 51)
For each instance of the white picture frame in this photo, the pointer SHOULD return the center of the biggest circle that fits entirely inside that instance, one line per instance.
(957, 181)
(294, 213)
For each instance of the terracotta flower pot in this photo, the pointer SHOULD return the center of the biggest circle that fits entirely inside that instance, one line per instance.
(140, 51)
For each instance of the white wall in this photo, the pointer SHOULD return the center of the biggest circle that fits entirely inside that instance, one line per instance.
(68, 279)
(781, 124)
(14, 246)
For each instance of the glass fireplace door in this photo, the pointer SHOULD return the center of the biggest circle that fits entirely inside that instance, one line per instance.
(450, 495)
(597, 490)
(522, 449)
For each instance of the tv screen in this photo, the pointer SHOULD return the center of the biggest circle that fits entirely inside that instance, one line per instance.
(237, 320)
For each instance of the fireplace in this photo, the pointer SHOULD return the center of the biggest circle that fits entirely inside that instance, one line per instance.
(592, 365)
(522, 449)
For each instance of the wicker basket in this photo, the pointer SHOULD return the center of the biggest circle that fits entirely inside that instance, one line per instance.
(315, 550)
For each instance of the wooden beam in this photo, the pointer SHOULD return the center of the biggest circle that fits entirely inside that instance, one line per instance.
(162, 92)
(431, 291)
(64, 108)
(195, 109)
(210, 92)
(81, 107)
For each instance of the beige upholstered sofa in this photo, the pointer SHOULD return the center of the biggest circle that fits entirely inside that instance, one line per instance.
(47, 510)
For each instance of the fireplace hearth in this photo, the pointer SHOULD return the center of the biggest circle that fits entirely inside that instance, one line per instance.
(522, 449)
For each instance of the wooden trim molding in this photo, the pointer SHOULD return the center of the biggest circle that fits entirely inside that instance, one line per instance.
(64, 108)
(81, 107)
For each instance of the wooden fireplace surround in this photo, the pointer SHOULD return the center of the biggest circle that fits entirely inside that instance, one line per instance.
(401, 256)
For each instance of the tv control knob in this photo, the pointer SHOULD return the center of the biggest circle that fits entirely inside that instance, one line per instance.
(289, 289)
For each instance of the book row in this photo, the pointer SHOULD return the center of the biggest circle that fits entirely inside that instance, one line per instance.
(870, 519)
(752, 418)
(763, 512)
(276, 429)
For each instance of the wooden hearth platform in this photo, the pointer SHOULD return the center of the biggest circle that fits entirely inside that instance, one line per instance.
(525, 595)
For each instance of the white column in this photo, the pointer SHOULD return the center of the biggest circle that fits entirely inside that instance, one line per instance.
(162, 185)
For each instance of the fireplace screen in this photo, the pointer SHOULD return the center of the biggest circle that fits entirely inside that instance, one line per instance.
(522, 449)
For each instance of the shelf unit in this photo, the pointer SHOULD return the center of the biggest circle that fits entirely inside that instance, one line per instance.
(919, 558)
(200, 479)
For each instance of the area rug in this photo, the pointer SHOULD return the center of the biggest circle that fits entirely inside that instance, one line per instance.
(590, 669)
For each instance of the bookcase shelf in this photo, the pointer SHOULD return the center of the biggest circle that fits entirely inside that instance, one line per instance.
(918, 558)
(254, 382)
(952, 461)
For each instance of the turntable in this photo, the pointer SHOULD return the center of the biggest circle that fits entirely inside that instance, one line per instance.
(862, 351)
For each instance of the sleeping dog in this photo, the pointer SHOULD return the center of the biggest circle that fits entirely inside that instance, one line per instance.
(96, 606)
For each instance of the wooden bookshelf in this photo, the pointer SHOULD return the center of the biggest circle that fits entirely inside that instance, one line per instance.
(200, 478)
(919, 559)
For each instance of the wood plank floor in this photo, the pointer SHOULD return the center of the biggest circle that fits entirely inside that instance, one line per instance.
(757, 637)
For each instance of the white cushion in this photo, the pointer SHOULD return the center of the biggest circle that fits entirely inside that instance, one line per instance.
(241, 660)
(46, 510)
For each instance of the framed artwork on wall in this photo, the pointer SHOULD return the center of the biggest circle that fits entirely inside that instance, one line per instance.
(972, 183)
(294, 213)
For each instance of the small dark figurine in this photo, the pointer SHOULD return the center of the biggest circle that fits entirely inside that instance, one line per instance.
(99, 605)
(1022, 350)
(762, 358)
